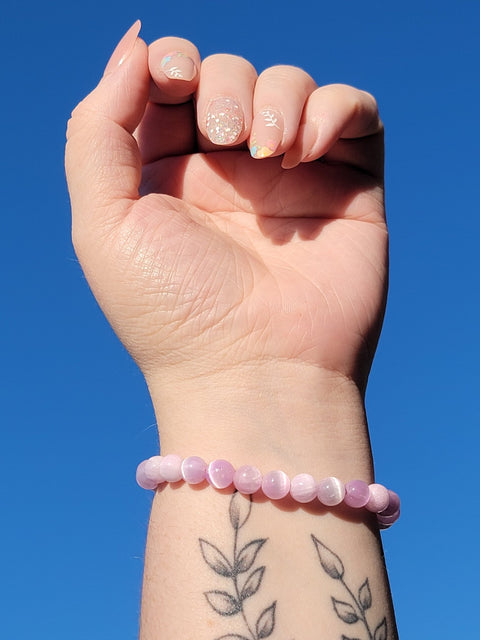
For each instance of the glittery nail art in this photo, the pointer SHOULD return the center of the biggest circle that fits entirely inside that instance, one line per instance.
(267, 133)
(224, 121)
(178, 66)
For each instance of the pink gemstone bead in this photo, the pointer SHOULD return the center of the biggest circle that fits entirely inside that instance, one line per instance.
(393, 504)
(331, 491)
(220, 474)
(387, 521)
(303, 488)
(194, 470)
(357, 494)
(276, 485)
(142, 479)
(247, 479)
(171, 468)
(152, 469)
(378, 500)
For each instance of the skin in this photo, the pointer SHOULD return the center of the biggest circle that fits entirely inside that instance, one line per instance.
(233, 281)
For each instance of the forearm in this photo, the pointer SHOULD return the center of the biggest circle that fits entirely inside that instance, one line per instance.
(281, 272)
(298, 420)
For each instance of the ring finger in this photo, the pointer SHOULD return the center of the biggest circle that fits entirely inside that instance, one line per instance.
(280, 96)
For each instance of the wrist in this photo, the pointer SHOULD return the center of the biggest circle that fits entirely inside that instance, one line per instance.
(274, 415)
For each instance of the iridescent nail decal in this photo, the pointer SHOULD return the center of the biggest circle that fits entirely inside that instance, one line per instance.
(224, 121)
(178, 66)
(267, 133)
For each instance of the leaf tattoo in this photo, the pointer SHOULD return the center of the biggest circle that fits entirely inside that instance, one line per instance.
(354, 611)
(330, 562)
(365, 596)
(266, 622)
(215, 559)
(233, 567)
(247, 555)
(252, 585)
(223, 602)
(345, 611)
(381, 631)
(239, 511)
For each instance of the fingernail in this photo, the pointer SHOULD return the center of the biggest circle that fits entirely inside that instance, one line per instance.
(224, 121)
(291, 160)
(124, 48)
(267, 133)
(178, 66)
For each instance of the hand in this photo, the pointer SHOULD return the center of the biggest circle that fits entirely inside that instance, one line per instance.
(225, 260)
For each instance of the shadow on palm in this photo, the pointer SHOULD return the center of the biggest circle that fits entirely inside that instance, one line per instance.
(283, 204)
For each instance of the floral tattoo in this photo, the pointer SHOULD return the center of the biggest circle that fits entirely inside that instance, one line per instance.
(354, 611)
(245, 579)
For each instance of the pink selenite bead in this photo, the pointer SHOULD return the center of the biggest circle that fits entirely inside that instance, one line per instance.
(247, 479)
(142, 479)
(357, 494)
(303, 488)
(171, 468)
(276, 485)
(152, 469)
(194, 470)
(220, 474)
(393, 504)
(378, 500)
(331, 491)
(392, 513)
(387, 521)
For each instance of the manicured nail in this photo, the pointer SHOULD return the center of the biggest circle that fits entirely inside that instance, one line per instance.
(124, 48)
(224, 121)
(267, 133)
(291, 160)
(178, 66)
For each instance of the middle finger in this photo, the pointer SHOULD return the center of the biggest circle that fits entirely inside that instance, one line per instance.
(224, 101)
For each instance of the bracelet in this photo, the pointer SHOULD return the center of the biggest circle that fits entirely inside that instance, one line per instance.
(275, 485)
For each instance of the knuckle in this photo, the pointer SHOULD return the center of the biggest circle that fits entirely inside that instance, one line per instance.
(370, 101)
(229, 62)
(282, 73)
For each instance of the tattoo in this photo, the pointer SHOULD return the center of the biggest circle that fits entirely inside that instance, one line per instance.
(355, 610)
(227, 603)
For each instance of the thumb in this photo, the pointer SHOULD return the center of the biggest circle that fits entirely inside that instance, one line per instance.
(102, 160)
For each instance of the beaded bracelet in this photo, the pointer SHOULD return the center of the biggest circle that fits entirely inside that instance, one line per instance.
(275, 484)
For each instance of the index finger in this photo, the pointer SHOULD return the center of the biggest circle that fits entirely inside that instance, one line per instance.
(174, 65)
(168, 124)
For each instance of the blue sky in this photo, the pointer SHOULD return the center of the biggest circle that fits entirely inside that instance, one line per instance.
(76, 417)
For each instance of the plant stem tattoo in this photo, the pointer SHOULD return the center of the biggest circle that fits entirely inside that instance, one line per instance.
(245, 578)
(355, 610)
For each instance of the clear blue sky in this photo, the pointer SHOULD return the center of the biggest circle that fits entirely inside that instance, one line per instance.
(75, 414)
